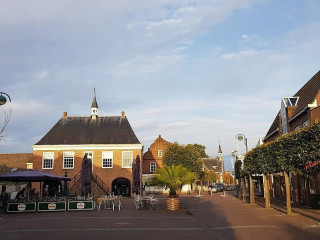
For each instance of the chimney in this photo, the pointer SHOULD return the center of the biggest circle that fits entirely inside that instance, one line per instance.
(65, 115)
(123, 114)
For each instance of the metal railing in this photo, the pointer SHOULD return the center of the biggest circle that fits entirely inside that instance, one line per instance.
(74, 179)
(95, 178)
(100, 183)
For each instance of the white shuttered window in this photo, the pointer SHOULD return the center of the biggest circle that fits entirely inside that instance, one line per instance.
(127, 157)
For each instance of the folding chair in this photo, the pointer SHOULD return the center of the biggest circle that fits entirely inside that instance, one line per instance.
(116, 203)
(154, 203)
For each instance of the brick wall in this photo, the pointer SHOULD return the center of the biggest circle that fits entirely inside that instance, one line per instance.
(152, 154)
(108, 175)
(299, 121)
(16, 160)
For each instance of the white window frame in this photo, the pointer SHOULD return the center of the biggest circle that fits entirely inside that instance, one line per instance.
(153, 167)
(128, 157)
(47, 156)
(108, 156)
(68, 156)
(159, 153)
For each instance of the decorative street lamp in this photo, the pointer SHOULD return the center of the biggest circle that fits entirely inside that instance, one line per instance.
(241, 137)
(3, 99)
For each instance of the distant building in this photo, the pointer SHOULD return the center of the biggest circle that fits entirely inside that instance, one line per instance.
(153, 159)
(215, 164)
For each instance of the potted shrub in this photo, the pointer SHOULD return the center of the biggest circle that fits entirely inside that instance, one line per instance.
(172, 178)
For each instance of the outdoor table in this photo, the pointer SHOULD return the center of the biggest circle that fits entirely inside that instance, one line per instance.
(107, 201)
(21, 207)
(80, 205)
(146, 202)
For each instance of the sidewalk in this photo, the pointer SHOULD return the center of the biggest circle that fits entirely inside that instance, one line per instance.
(299, 209)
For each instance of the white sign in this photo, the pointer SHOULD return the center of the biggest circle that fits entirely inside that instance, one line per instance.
(21, 207)
(80, 205)
(52, 206)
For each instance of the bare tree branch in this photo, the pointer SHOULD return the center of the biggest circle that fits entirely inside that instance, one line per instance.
(6, 121)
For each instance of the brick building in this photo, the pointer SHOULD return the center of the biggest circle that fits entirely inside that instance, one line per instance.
(296, 112)
(153, 159)
(16, 160)
(108, 141)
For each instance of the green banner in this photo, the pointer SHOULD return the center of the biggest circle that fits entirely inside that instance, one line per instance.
(80, 205)
(21, 207)
(52, 206)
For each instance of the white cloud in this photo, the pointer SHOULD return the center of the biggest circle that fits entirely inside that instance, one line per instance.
(255, 40)
(42, 74)
(241, 54)
(178, 125)
(146, 64)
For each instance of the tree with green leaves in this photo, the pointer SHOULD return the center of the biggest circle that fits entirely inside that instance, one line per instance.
(188, 155)
(294, 152)
(210, 176)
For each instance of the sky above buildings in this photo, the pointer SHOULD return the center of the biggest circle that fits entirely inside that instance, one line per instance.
(197, 71)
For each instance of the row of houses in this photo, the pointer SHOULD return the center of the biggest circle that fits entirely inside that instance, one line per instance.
(296, 112)
(108, 141)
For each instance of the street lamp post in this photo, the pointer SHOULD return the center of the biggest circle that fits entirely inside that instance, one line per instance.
(241, 137)
(3, 100)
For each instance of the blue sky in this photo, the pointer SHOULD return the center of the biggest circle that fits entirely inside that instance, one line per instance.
(192, 71)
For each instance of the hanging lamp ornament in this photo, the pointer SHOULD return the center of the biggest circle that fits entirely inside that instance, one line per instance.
(240, 137)
(3, 99)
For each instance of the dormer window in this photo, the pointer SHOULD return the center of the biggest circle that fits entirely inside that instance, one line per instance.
(286, 102)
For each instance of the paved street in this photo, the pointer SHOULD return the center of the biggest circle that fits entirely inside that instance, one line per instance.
(205, 217)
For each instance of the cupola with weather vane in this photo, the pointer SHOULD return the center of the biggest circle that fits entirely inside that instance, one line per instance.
(94, 106)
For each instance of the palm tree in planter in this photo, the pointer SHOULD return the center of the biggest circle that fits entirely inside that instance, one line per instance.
(173, 178)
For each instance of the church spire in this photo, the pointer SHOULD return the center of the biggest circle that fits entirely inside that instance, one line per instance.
(222, 161)
(94, 106)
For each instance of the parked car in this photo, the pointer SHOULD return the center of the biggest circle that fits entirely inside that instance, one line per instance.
(220, 187)
(214, 188)
(228, 188)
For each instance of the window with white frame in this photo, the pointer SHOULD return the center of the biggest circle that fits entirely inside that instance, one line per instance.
(127, 157)
(47, 160)
(68, 160)
(297, 128)
(159, 153)
(153, 167)
(107, 159)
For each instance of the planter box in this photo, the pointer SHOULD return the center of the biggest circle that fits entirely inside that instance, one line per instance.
(173, 203)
